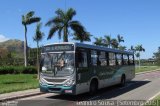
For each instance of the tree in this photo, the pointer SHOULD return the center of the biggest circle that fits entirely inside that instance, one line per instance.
(137, 55)
(98, 41)
(156, 56)
(139, 49)
(114, 43)
(27, 20)
(120, 38)
(62, 22)
(37, 38)
(107, 40)
(123, 48)
(132, 48)
(85, 37)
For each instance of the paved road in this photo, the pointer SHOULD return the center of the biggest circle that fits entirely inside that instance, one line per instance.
(142, 87)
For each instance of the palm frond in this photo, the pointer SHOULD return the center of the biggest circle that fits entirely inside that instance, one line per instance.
(60, 32)
(60, 13)
(38, 35)
(76, 26)
(120, 38)
(55, 20)
(33, 20)
(114, 43)
(98, 41)
(84, 36)
(29, 14)
(70, 13)
(52, 31)
(38, 27)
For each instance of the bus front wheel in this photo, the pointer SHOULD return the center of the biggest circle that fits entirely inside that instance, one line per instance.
(93, 87)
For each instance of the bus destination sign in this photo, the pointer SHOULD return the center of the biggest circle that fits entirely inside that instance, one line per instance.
(53, 48)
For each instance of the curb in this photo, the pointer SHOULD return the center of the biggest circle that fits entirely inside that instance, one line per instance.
(148, 72)
(20, 96)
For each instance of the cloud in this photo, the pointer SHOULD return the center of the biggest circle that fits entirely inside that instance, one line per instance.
(3, 38)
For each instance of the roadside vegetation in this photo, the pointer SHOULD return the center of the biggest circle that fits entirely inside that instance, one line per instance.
(146, 68)
(17, 82)
(17, 70)
(155, 101)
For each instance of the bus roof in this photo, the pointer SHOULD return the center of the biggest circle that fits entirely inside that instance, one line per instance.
(94, 47)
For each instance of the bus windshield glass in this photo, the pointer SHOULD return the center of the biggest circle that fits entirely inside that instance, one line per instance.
(58, 64)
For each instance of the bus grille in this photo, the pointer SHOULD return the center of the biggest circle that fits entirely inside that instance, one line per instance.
(55, 89)
(55, 80)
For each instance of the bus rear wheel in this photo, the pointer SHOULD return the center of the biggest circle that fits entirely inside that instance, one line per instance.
(123, 81)
(93, 87)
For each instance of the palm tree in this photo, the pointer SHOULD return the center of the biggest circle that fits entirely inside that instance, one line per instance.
(139, 48)
(114, 43)
(27, 20)
(120, 38)
(62, 22)
(107, 40)
(123, 48)
(137, 56)
(86, 37)
(37, 38)
(99, 41)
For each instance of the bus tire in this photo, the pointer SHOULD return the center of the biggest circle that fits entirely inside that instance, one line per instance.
(123, 81)
(93, 87)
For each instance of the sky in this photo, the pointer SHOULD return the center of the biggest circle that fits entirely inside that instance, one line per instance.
(138, 21)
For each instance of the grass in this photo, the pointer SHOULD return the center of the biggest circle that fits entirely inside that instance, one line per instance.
(17, 82)
(146, 68)
(154, 102)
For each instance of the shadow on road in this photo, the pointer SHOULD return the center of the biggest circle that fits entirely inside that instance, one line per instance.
(105, 93)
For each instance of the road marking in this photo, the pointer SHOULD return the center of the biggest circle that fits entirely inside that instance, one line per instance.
(154, 96)
(146, 79)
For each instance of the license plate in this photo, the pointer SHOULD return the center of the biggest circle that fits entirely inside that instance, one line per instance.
(68, 91)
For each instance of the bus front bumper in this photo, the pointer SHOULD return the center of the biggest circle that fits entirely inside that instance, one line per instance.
(60, 89)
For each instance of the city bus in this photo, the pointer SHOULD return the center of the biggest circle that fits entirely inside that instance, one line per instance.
(75, 68)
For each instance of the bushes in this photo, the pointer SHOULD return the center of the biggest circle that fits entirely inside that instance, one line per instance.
(18, 70)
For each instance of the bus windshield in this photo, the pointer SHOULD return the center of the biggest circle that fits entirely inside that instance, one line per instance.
(58, 64)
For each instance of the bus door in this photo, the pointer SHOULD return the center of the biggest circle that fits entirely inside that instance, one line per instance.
(93, 62)
(82, 65)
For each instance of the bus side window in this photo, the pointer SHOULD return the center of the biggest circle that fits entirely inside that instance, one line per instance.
(125, 59)
(119, 59)
(102, 59)
(112, 59)
(94, 57)
(131, 62)
(82, 58)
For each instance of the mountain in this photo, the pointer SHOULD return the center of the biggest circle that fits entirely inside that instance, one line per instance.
(13, 46)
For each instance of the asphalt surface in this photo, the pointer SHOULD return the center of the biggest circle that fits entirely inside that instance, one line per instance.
(142, 87)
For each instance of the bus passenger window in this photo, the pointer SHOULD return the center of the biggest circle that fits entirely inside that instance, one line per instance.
(119, 59)
(94, 58)
(82, 59)
(125, 59)
(131, 62)
(112, 59)
(102, 59)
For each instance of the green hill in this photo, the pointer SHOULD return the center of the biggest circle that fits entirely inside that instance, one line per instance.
(13, 46)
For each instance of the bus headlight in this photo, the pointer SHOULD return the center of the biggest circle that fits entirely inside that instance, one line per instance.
(69, 82)
(41, 81)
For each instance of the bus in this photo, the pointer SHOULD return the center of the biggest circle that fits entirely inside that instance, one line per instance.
(75, 68)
